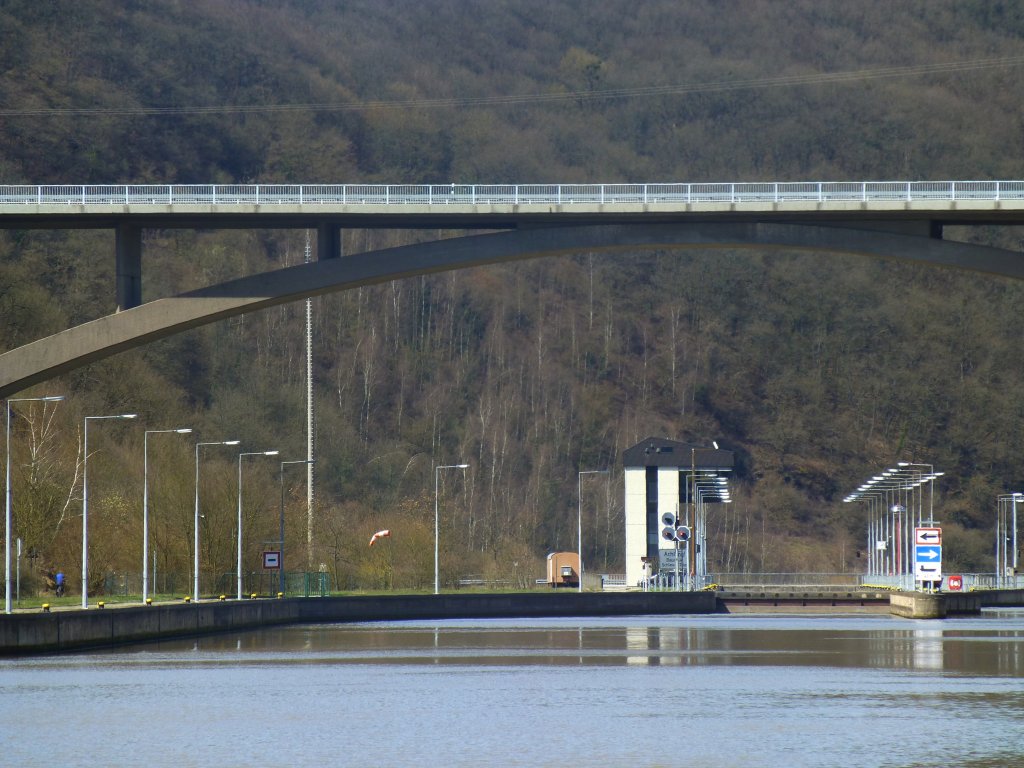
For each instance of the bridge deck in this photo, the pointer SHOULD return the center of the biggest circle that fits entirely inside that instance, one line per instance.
(505, 206)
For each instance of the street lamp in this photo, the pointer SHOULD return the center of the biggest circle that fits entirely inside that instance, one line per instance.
(1006, 537)
(239, 572)
(195, 526)
(930, 479)
(708, 488)
(437, 572)
(280, 560)
(7, 493)
(145, 501)
(85, 500)
(579, 517)
(883, 492)
(1016, 497)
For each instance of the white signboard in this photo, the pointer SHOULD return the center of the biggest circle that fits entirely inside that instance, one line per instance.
(930, 536)
(927, 554)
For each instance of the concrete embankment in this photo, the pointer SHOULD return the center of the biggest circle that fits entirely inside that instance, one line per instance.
(72, 630)
(822, 600)
(1001, 598)
(925, 605)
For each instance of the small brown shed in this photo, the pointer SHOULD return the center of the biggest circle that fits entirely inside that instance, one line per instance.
(564, 569)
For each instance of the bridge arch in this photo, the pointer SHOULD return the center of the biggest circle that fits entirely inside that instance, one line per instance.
(75, 347)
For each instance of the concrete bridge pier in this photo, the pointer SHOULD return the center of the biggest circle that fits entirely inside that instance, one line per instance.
(328, 241)
(128, 248)
(129, 265)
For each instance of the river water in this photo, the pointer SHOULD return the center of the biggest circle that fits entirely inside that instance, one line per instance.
(642, 691)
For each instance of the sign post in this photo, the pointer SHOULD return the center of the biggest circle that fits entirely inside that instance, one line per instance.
(272, 562)
(928, 557)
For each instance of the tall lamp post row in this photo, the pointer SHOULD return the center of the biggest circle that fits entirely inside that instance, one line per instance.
(8, 493)
(891, 499)
(196, 517)
(711, 488)
(1006, 539)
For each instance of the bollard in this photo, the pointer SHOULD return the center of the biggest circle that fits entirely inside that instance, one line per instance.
(223, 598)
(46, 607)
(252, 596)
(149, 601)
(188, 598)
(100, 604)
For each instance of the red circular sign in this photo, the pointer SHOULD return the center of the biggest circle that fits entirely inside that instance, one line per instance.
(955, 583)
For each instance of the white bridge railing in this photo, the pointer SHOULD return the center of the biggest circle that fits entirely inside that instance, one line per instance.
(506, 194)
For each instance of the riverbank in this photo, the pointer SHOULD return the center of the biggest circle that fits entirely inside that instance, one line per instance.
(68, 630)
(72, 629)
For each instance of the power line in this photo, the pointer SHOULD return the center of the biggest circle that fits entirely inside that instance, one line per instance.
(720, 86)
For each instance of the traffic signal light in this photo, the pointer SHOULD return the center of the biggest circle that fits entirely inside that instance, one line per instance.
(673, 531)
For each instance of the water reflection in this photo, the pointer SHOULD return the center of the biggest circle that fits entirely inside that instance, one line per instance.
(743, 691)
(992, 646)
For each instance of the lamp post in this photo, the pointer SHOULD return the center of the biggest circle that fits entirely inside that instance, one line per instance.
(711, 488)
(437, 571)
(930, 478)
(280, 562)
(195, 525)
(8, 522)
(579, 516)
(1016, 497)
(891, 488)
(1006, 538)
(145, 501)
(239, 569)
(85, 500)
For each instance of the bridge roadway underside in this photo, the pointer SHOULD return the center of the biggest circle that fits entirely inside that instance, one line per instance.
(138, 325)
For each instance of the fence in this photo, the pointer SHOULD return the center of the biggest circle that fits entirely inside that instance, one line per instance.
(296, 584)
(507, 194)
(785, 579)
(969, 581)
(318, 584)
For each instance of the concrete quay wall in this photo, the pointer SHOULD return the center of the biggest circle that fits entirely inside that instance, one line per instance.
(73, 630)
(928, 605)
(1001, 598)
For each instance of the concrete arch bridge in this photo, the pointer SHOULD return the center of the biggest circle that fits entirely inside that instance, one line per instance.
(899, 220)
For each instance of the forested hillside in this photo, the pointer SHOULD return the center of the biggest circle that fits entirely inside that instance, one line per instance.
(815, 369)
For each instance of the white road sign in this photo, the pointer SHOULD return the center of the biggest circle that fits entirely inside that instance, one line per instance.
(932, 536)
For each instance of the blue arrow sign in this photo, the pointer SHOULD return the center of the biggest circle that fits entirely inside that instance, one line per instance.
(928, 554)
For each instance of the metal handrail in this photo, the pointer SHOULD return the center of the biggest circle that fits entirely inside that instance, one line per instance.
(522, 195)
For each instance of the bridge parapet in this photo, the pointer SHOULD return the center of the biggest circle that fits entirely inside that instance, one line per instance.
(15, 198)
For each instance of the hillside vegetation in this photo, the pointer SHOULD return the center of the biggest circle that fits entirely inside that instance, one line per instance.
(816, 369)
